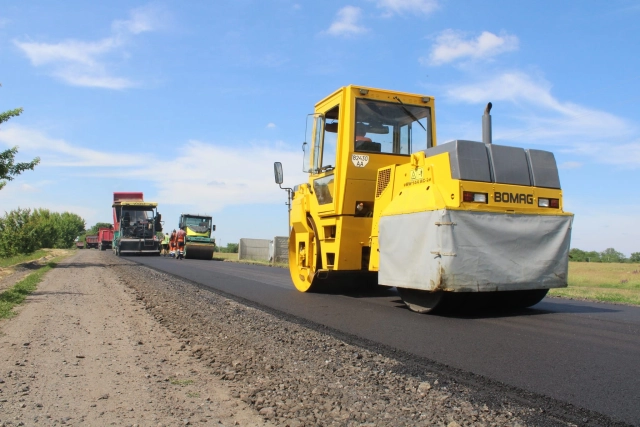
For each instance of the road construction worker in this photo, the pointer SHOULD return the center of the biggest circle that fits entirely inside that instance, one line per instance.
(172, 244)
(181, 236)
(165, 244)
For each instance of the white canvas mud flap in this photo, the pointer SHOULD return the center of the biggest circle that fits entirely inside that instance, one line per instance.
(464, 251)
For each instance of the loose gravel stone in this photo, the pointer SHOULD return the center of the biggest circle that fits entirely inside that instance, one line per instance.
(294, 375)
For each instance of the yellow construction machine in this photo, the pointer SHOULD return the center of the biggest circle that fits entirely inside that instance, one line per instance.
(386, 205)
(198, 242)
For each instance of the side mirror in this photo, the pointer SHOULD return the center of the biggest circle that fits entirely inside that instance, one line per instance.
(213, 228)
(277, 171)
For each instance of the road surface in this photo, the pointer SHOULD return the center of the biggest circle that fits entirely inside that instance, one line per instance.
(586, 354)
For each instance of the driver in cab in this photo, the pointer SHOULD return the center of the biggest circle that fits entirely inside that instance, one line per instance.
(363, 142)
(361, 131)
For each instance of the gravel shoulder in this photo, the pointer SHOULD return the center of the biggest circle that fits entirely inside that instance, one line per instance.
(84, 351)
(105, 341)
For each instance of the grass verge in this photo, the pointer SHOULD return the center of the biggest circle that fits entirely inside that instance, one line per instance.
(7, 262)
(225, 256)
(17, 294)
(233, 257)
(605, 282)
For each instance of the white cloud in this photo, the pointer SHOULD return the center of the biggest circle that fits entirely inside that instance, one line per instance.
(28, 188)
(57, 152)
(621, 155)
(271, 126)
(208, 175)
(102, 81)
(82, 63)
(392, 7)
(217, 176)
(70, 51)
(36, 195)
(143, 19)
(543, 118)
(451, 45)
(570, 165)
(347, 22)
(33, 187)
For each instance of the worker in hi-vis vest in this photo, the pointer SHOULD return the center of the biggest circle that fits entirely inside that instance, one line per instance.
(172, 244)
(165, 245)
(181, 237)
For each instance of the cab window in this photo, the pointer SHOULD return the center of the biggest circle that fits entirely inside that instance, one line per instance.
(391, 128)
(322, 131)
(330, 139)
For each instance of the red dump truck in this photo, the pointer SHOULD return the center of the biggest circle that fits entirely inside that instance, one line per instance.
(91, 242)
(105, 238)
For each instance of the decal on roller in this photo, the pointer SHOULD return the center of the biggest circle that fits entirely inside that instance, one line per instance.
(526, 199)
(360, 160)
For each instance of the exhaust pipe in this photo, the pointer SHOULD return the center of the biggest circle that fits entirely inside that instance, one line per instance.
(486, 125)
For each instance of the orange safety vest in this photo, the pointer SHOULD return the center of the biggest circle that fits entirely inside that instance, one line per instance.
(180, 237)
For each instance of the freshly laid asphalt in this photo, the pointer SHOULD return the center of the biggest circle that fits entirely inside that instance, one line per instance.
(585, 354)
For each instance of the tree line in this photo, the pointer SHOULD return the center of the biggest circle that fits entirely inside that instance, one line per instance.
(608, 255)
(231, 248)
(23, 231)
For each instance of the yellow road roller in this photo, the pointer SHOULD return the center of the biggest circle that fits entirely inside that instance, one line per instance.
(385, 204)
(198, 244)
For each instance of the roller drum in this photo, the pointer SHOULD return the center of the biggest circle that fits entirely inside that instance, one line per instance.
(193, 251)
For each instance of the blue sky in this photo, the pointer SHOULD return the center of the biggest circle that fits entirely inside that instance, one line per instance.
(192, 102)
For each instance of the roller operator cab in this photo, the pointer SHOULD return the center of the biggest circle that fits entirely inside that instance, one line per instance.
(385, 204)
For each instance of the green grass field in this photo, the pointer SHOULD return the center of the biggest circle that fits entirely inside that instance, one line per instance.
(606, 282)
(224, 256)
